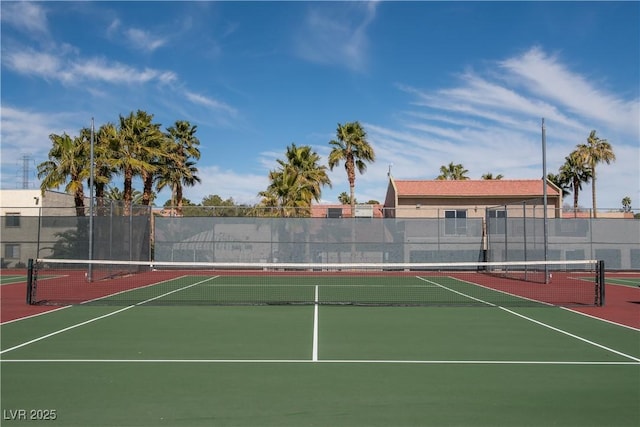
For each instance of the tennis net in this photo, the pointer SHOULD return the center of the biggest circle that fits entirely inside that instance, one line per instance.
(65, 282)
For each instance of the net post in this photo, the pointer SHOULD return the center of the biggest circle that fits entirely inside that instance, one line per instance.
(600, 284)
(30, 281)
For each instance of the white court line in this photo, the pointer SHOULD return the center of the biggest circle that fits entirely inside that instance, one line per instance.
(77, 325)
(455, 292)
(89, 301)
(542, 324)
(12, 280)
(553, 328)
(600, 319)
(622, 281)
(53, 310)
(314, 352)
(336, 361)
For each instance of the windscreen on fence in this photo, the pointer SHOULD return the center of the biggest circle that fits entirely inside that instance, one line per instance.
(315, 240)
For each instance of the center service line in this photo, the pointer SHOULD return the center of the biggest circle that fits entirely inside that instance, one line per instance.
(314, 352)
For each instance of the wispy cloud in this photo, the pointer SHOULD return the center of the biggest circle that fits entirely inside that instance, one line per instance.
(136, 38)
(545, 76)
(205, 101)
(26, 132)
(25, 16)
(144, 40)
(72, 70)
(491, 122)
(336, 36)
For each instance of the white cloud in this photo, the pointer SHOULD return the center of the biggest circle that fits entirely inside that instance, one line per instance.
(135, 38)
(333, 36)
(545, 76)
(144, 40)
(71, 70)
(25, 16)
(25, 132)
(243, 188)
(114, 72)
(199, 99)
(491, 122)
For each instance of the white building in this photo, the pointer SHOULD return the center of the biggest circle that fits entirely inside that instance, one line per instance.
(21, 212)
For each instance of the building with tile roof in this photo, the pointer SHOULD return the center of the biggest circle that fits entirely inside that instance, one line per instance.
(433, 198)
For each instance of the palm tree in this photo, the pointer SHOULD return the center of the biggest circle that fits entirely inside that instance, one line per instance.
(453, 172)
(558, 182)
(353, 148)
(286, 193)
(344, 198)
(116, 195)
(296, 182)
(68, 164)
(176, 168)
(103, 159)
(573, 173)
(489, 176)
(626, 204)
(311, 175)
(139, 147)
(595, 151)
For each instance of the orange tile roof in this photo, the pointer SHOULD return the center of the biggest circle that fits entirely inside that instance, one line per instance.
(470, 188)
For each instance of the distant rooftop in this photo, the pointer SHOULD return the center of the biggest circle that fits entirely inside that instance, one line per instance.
(477, 188)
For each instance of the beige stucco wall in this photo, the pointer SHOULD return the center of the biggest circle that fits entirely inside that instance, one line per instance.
(476, 208)
(30, 202)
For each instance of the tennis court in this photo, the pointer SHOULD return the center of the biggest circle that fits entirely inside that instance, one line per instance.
(147, 357)
(7, 279)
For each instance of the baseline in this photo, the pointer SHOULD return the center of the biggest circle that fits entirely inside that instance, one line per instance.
(346, 361)
(593, 343)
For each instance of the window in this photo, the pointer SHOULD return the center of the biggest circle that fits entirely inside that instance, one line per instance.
(12, 251)
(12, 220)
(497, 221)
(455, 222)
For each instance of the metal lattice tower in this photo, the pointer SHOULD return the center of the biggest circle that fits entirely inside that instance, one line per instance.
(26, 160)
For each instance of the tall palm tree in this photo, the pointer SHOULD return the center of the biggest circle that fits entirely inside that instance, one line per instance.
(352, 148)
(595, 151)
(68, 164)
(176, 169)
(103, 159)
(452, 172)
(573, 173)
(139, 146)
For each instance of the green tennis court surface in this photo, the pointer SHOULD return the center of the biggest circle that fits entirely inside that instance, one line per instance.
(625, 281)
(318, 365)
(6, 279)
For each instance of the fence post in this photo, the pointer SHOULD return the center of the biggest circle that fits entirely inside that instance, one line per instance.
(601, 283)
(29, 281)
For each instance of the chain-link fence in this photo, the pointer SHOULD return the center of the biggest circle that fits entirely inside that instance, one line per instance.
(231, 239)
(518, 232)
(505, 233)
(58, 232)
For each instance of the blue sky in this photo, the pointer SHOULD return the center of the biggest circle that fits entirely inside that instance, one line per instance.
(431, 82)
